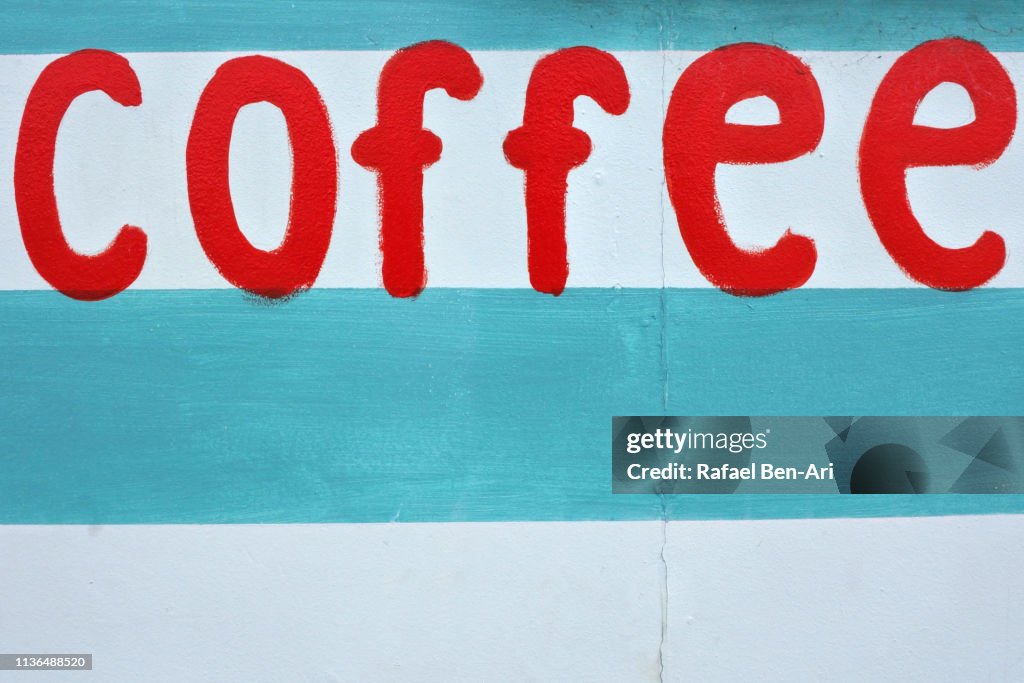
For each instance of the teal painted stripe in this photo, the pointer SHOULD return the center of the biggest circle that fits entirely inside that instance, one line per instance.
(351, 406)
(45, 26)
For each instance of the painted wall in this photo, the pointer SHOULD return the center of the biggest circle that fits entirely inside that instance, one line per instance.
(430, 472)
(922, 599)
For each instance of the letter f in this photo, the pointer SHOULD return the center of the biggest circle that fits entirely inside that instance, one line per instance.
(547, 147)
(399, 148)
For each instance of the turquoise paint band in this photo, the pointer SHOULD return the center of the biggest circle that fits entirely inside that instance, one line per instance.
(55, 26)
(462, 405)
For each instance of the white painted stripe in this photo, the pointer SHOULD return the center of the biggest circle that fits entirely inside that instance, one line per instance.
(118, 165)
(844, 599)
(354, 602)
(928, 599)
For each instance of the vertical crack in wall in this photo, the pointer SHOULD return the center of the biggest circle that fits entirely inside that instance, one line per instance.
(664, 588)
(663, 309)
(664, 41)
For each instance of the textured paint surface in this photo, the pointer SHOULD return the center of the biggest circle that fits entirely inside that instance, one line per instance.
(892, 144)
(547, 146)
(183, 400)
(348, 405)
(117, 165)
(294, 264)
(698, 138)
(927, 599)
(398, 149)
(81, 276)
(53, 26)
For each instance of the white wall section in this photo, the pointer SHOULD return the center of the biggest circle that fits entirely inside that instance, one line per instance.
(909, 599)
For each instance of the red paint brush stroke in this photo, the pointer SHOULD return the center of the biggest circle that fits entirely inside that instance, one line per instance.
(892, 143)
(296, 262)
(697, 138)
(546, 147)
(399, 149)
(77, 275)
